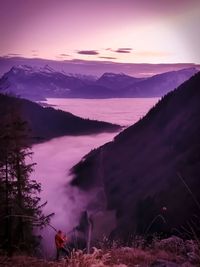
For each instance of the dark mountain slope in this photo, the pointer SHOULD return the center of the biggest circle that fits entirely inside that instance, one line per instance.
(46, 123)
(139, 169)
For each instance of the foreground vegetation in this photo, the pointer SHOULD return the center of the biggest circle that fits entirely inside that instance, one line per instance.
(171, 252)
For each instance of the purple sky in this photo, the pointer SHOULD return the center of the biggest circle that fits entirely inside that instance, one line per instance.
(132, 31)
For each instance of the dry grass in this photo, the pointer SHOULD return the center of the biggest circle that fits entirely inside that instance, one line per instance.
(118, 257)
(170, 250)
(24, 261)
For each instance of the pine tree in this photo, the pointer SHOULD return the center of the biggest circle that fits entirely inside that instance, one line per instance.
(20, 210)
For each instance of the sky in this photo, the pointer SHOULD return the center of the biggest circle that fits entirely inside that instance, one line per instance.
(128, 31)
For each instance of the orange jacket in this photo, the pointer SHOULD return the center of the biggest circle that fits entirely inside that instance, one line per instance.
(59, 241)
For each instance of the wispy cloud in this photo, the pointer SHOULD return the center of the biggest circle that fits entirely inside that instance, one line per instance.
(64, 55)
(108, 57)
(88, 52)
(13, 54)
(120, 50)
(123, 50)
(129, 49)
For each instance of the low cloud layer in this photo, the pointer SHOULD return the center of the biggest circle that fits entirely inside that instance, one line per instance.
(54, 174)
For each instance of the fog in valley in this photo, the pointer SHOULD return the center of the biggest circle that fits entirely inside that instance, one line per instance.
(56, 157)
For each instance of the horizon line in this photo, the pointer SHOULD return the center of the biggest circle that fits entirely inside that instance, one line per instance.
(97, 61)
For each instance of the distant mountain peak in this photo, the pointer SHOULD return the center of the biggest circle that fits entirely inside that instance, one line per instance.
(112, 75)
(191, 69)
(31, 69)
(47, 68)
(187, 71)
(18, 68)
(109, 74)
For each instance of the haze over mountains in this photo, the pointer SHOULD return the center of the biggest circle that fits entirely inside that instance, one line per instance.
(41, 83)
(47, 123)
(145, 173)
(95, 68)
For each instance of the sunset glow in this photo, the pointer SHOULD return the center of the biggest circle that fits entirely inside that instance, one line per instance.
(153, 31)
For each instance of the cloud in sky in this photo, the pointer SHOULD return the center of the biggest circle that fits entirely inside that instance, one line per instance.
(88, 52)
(13, 54)
(123, 50)
(76, 26)
(129, 49)
(120, 50)
(64, 55)
(105, 57)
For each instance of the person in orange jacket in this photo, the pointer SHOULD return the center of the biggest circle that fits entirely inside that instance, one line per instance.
(60, 241)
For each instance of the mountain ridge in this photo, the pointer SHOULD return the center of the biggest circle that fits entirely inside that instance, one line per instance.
(41, 83)
(47, 123)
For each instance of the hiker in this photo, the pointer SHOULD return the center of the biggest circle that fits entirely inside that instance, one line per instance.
(60, 241)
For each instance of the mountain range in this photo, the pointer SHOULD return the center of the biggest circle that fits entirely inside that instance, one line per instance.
(149, 174)
(47, 123)
(41, 83)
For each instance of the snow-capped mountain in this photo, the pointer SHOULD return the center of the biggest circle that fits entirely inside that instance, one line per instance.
(38, 83)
